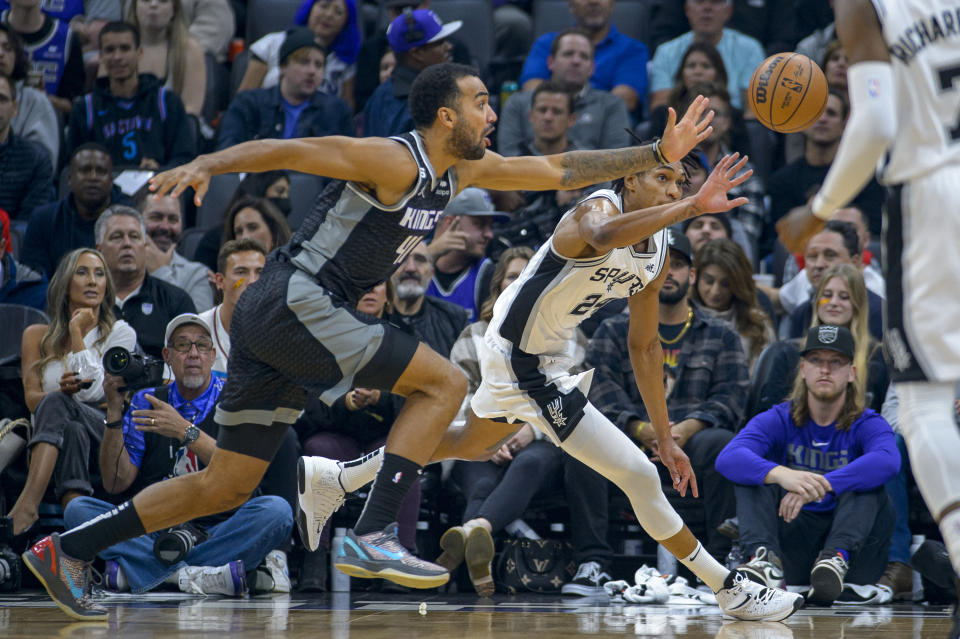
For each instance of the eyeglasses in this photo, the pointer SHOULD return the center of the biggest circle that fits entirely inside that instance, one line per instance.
(184, 345)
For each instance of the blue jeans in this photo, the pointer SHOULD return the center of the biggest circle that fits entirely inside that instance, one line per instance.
(897, 489)
(258, 526)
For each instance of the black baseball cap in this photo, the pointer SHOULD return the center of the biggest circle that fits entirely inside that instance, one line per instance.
(679, 242)
(829, 338)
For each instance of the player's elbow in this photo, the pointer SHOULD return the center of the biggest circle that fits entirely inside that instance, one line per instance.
(599, 235)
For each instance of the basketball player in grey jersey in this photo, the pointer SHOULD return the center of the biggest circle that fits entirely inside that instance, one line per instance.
(904, 82)
(295, 333)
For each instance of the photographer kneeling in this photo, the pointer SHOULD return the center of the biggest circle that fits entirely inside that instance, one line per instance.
(166, 432)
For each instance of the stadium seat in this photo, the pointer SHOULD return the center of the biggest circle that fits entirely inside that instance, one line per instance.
(477, 30)
(189, 241)
(14, 318)
(214, 205)
(267, 16)
(304, 189)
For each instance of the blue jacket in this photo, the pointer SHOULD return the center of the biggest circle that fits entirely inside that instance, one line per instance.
(22, 285)
(258, 114)
(26, 177)
(387, 112)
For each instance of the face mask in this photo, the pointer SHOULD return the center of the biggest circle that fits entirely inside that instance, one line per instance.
(282, 203)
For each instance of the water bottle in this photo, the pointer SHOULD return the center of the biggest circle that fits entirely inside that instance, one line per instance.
(339, 581)
(508, 88)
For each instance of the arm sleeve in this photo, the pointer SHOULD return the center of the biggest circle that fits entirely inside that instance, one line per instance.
(91, 359)
(535, 66)
(869, 132)
(613, 374)
(724, 405)
(743, 460)
(877, 465)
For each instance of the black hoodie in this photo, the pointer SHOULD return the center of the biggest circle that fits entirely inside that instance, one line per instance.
(153, 124)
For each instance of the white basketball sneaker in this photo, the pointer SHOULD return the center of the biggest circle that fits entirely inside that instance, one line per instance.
(319, 495)
(741, 598)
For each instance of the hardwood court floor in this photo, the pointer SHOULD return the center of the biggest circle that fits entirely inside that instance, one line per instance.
(378, 616)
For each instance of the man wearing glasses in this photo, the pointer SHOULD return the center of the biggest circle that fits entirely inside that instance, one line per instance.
(819, 462)
(169, 431)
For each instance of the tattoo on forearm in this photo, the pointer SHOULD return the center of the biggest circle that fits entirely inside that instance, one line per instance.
(582, 168)
(688, 211)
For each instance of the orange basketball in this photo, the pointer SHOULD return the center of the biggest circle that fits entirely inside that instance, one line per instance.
(787, 92)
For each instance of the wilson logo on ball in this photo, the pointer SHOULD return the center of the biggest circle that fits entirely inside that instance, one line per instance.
(764, 78)
(787, 92)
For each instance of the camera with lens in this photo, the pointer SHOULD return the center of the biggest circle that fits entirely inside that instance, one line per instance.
(174, 544)
(138, 371)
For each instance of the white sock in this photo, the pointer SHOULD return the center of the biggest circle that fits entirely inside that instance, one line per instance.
(703, 565)
(357, 473)
(950, 529)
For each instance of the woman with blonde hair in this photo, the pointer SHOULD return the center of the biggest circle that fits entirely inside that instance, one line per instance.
(841, 299)
(725, 288)
(62, 369)
(169, 51)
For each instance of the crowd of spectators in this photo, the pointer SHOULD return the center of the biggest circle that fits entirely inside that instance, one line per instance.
(91, 99)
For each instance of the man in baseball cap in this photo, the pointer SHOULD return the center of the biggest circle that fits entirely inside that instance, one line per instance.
(461, 269)
(419, 39)
(829, 338)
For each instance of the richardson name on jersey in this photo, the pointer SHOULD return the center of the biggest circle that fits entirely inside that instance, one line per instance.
(419, 219)
(925, 32)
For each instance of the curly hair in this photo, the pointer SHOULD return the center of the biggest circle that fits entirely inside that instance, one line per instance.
(436, 87)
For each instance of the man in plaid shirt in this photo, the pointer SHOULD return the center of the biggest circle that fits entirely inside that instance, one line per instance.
(706, 378)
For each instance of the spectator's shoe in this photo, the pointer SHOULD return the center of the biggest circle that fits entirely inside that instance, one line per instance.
(730, 528)
(898, 577)
(933, 562)
(114, 579)
(229, 579)
(765, 568)
(67, 580)
(313, 571)
(743, 599)
(587, 582)
(272, 575)
(452, 543)
(826, 578)
(319, 496)
(479, 556)
(381, 555)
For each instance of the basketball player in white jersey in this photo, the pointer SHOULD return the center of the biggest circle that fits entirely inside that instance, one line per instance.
(904, 83)
(607, 247)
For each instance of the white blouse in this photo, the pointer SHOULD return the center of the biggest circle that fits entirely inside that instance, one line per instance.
(335, 73)
(89, 362)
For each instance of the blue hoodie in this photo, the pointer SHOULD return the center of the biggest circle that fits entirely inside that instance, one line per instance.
(862, 458)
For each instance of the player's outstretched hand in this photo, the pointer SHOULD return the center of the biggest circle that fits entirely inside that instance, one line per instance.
(677, 462)
(798, 226)
(177, 180)
(679, 138)
(712, 197)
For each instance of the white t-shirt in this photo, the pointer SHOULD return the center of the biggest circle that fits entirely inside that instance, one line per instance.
(221, 340)
(267, 50)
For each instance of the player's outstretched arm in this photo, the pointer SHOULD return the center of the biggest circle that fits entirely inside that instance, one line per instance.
(646, 358)
(869, 131)
(577, 169)
(605, 233)
(371, 161)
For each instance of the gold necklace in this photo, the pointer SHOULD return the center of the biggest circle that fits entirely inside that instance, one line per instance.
(686, 327)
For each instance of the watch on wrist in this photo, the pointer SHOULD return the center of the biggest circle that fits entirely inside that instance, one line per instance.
(190, 435)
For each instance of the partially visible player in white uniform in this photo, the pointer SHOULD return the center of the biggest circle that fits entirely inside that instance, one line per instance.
(603, 249)
(904, 83)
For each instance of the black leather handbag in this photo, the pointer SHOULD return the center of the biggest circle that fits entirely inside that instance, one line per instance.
(534, 565)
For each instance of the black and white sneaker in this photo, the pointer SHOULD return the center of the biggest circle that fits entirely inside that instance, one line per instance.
(746, 600)
(588, 581)
(826, 578)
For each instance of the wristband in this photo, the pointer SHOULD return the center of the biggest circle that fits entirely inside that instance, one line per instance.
(639, 429)
(113, 425)
(658, 152)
